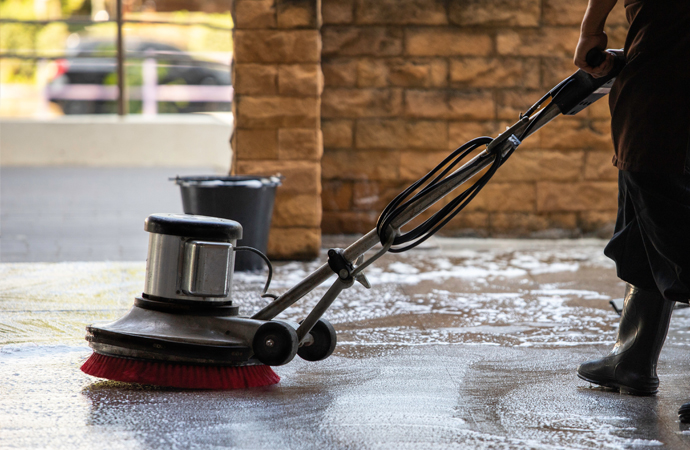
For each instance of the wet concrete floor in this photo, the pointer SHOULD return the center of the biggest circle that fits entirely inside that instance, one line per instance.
(472, 344)
(469, 344)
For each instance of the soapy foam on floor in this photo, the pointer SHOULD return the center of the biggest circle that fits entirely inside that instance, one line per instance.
(480, 300)
(538, 314)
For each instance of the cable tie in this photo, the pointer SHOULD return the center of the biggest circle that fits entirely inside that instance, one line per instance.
(514, 141)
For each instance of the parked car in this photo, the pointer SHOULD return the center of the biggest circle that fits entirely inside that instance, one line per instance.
(84, 82)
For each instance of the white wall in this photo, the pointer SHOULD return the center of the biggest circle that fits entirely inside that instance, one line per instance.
(175, 140)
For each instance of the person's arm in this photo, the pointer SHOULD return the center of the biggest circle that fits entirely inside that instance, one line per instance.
(592, 35)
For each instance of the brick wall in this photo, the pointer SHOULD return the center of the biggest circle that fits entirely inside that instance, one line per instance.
(278, 84)
(406, 81)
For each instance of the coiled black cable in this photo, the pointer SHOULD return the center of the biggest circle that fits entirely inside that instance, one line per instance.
(258, 252)
(432, 180)
(440, 176)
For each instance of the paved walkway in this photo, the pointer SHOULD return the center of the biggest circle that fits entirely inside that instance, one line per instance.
(471, 344)
(82, 214)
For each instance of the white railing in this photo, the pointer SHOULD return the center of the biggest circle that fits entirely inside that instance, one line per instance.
(150, 93)
(159, 93)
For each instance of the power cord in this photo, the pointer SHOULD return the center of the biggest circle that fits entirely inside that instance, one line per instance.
(432, 180)
(439, 176)
(264, 294)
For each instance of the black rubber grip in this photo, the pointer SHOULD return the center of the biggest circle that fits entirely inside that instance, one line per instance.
(595, 57)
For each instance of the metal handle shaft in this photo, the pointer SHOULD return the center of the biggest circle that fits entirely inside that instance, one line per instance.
(524, 127)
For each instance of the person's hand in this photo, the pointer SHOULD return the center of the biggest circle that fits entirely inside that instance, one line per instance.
(584, 45)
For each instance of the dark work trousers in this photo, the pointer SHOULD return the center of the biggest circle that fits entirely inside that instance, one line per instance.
(651, 243)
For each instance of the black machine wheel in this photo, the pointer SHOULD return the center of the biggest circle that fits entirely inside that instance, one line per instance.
(275, 343)
(324, 342)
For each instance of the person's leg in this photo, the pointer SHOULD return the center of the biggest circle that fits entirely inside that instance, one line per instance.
(662, 209)
(670, 254)
(650, 250)
(626, 247)
(631, 365)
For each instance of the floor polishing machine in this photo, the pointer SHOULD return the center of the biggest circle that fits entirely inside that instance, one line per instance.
(184, 330)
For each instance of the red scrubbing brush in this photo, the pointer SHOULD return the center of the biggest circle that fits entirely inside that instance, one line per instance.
(189, 351)
(179, 375)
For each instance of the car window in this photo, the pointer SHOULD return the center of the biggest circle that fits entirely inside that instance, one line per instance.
(163, 51)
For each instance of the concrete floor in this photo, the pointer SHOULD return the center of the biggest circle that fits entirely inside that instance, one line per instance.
(469, 344)
(82, 214)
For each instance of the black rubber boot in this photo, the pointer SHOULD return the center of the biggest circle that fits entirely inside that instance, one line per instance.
(631, 365)
(684, 413)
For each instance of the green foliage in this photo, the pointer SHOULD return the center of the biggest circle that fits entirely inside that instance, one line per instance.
(207, 39)
(14, 70)
(106, 30)
(75, 7)
(194, 38)
(24, 39)
(50, 39)
(17, 9)
(16, 37)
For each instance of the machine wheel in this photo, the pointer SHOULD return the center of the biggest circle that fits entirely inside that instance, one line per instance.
(275, 343)
(324, 342)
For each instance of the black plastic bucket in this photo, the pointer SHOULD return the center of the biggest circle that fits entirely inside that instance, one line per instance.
(245, 199)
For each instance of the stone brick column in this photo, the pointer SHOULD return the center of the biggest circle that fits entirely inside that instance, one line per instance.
(278, 84)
